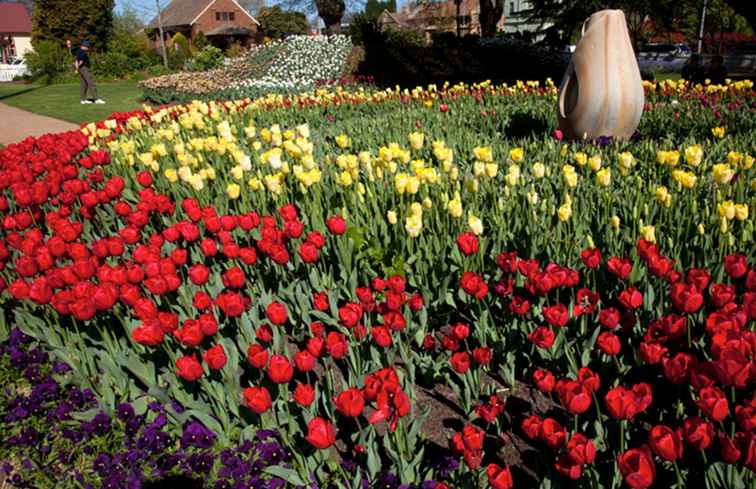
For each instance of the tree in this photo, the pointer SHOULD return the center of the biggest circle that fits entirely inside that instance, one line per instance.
(331, 11)
(721, 19)
(490, 13)
(254, 7)
(276, 23)
(565, 17)
(58, 20)
(744, 8)
(374, 8)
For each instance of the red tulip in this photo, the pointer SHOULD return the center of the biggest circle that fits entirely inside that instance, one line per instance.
(736, 265)
(498, 477)
(574, 396)
(460, 362)
(713, 403)
(320, 433)
(304, 394)
(189, 368)
(336, 225)
(609, 343)
(467, 243)
(637, 468)
(257, 399)
(544, 380)
(698, 433)
(276, 313)
(280, 370)
(666, 443)
(591, 257)
(350, 402)
(215, 357)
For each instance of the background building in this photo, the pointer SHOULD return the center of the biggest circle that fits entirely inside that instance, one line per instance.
(15, 31)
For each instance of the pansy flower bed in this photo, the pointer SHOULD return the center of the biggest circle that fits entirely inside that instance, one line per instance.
(413, 288)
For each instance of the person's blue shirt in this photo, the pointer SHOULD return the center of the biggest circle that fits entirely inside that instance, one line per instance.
(82, 57)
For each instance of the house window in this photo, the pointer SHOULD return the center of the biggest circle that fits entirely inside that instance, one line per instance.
(511, 8)
(464, 20)
(224, 16)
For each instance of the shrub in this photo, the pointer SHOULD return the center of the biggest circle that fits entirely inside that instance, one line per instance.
(200, 41)
(48, 62)
(277, 23)
(208, 58)
(113, 64)
(234, 50)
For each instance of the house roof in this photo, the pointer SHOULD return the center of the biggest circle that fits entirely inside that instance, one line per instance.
(186, 12)
(180, 12)
(14, 18)
(230, 30)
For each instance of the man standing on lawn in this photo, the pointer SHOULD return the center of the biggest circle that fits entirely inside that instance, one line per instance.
(82, 65)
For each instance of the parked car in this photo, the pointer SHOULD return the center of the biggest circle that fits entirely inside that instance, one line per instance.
(663, 57)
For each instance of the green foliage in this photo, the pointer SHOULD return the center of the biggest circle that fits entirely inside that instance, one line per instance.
(200, 41)
(208, 58)
(127, 52)
(181, 43)
(49, 62)
(331, 12)
(234, 50)
(720, 19)
(374, 8)
(277, 23)
(58, 20)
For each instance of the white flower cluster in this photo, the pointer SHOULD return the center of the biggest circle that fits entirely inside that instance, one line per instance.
(303, 61)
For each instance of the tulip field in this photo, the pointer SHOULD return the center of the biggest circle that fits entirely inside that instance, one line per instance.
(419, 288)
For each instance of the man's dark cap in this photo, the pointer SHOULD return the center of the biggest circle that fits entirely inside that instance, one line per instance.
(86, 44)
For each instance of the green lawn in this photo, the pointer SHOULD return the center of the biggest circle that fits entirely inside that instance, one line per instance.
(62, 101)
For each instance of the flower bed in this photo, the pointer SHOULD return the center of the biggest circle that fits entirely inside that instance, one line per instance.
(284, 66)
(459, 298)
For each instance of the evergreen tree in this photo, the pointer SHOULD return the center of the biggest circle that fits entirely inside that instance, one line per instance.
(78, 20)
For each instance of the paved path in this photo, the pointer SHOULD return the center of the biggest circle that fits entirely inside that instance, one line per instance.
(17, 124)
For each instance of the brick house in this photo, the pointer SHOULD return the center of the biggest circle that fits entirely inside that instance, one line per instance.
(428, 18)
(223, 22)
(15, 31)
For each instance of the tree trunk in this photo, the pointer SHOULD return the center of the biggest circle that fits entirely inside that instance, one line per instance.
(490, 13)
(459, 28)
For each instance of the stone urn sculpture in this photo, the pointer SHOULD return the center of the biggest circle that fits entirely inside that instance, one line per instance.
(601, 93)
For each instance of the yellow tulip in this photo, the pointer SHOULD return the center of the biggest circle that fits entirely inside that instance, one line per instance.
(694, 154)
(516, 154)
(564, 212)
(391, 217)
(539, 170)
(648, 233)
(171, 175)
(594, 162)
(726, 209)
(581, 158)
(342, 140)
(604, 177)
(741, 212)
(414, 224)
(455, 207)
(475, 224)
(484, 154)
(722, 172)
(233, 191)
(416, 140)
(614, 221)
(718, 132)
(626, 162)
